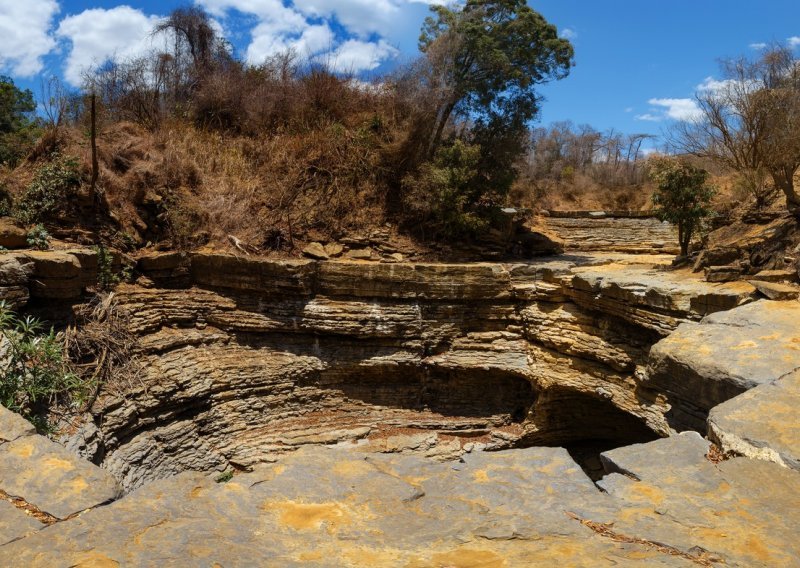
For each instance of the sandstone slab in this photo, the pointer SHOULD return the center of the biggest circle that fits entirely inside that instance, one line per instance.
(15, 523)
(13, 426)
(52, 479)
(784, 275)
(761, 423)
(702, 365)
(776, 290)
(341, 507)
(316, 251)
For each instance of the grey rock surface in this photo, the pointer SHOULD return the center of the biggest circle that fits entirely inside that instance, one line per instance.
(702, 365)
(761, 423)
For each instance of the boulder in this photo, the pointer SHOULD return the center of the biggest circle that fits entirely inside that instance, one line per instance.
(12, 236)
(776, 291)
(359, 254)
(761, 423)
(316, 251)
(334, 249)
(720, 256)
(729, 273)
(702, 365)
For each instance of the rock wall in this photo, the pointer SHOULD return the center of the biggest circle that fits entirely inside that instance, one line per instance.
(242, 360)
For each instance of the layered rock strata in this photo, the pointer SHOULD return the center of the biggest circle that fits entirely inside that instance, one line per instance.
(243, 360)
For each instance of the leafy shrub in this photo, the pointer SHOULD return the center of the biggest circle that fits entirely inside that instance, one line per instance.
(39, 238)
(34, 372)
(682, 196)
(105, 275)
(48, 193)
(439, 194)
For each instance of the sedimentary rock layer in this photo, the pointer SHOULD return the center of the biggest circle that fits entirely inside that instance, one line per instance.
(243, 360)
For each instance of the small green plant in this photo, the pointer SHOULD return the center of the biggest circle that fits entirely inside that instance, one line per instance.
(39, 238)
(35, 374)
(106, 278)
(225, 477)
(50, 189)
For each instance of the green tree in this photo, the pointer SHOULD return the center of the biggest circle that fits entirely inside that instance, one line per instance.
(682, 196)
(18, 124)
(485, 61)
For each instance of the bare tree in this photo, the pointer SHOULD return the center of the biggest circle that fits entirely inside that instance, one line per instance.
(750, 121)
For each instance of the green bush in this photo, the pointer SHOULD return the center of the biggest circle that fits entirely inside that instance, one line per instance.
(439, 196)
(106, 278)
(682, 196)
(38, 238)
(49, 192)
(35, 374)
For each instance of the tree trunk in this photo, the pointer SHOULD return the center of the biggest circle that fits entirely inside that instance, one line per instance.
(784, 180)
(95, 164)
(684, 237)
(442, 122)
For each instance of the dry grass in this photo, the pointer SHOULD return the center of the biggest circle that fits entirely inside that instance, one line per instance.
(581, 193)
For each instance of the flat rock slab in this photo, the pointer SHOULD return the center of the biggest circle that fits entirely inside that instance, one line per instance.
(702, 365)
(761, 423)
(50, 478)
(341, 507)
(15, 523)
(13, 426)
(657, 459)
(776, 290)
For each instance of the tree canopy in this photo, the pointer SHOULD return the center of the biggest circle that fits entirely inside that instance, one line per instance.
(487, 58)
(17, 120)
(682, 195)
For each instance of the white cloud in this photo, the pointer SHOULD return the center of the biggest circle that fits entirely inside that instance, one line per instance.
(24, 34)
(649, 117)
(100, 35)
(568, 33)
(268, 41)
(678, 109)
(758, 46)
(793, 41)
(302, 26)
(628, 109)
(674, 109)
(360, 17)
(354, 56)
(711, 84)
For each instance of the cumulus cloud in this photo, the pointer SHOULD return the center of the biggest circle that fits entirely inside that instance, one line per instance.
(25, 35)
(758, 46)
(355, 56)
(360, 17)
(98, 35)
(304, 26)
(793, 41)
(267, 41)
(675, 109)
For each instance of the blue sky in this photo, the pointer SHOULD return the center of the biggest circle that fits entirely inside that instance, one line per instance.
(638, 63)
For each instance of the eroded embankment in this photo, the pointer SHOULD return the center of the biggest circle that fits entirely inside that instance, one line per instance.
(242, 360)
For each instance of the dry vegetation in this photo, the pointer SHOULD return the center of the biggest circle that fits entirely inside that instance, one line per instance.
(196, 147)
